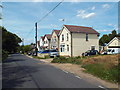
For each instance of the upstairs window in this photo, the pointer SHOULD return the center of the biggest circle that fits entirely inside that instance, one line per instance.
(62, 37)
(67, 37)
(86, 37)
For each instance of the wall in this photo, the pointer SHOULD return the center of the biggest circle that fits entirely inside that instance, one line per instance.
(80, 45)
(54, 43)
(65, 42)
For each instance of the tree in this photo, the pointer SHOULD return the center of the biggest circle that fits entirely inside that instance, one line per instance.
(107, 38)
(112, 35)
(104, 39)
(26, 48)
(10, 41)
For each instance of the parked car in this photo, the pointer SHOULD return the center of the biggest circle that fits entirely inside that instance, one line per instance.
(53, 53)
(90, 52)
(110, 51)
(44, 52)
(29, 53)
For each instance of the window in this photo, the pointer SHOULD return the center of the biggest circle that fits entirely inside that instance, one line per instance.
(67, 47)
(62, 48)
(54, 39)
(67, 37)
(62, 37)
(92, 47)
(86, 37)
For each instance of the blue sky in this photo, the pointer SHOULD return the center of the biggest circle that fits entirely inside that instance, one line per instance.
(20, 17)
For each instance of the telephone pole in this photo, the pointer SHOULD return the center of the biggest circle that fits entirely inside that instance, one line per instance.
(36, 38)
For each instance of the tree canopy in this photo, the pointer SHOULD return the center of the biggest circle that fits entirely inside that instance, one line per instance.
(10, 41)
(105, 39)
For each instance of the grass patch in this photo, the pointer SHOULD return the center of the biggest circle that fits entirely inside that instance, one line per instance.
(106, 67)
(100, 70)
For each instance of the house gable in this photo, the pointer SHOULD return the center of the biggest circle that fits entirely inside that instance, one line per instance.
(63, 29)
(114, 42)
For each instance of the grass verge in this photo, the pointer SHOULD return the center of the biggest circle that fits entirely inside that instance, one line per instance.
(106, 67)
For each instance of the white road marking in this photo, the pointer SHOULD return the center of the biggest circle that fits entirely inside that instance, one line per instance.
(64, 71)
(78, 77)
(102, 87)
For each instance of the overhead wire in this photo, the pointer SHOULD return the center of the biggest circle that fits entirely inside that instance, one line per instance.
(50, 12)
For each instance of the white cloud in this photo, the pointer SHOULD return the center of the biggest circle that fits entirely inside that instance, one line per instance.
(113, 26)
(104, 30)
(89, 15)
(93, 8)
(54, 26)
(61, 19)
(83, 14)
(105, 5)
(110, 24)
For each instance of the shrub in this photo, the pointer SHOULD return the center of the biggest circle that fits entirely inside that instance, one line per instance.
(60, 59)
(73, 60)
(4, 54)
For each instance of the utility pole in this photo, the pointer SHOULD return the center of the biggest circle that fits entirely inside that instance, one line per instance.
(36, 38)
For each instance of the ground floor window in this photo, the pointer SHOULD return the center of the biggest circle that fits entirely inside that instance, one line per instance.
(62, 48)
(92, 47)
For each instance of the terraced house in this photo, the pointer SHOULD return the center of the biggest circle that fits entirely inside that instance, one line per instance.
(55, 39)
(75, 40)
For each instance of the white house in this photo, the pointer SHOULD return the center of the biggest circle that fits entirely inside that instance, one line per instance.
(46, 44)
(41, 42)
(55, 39)
(38, 45)
(114, 44)
(75, 40)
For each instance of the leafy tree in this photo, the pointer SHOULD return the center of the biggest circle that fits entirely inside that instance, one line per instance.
(107, 38)
(111, 36)
(10, 41)
(26, 48)
(104, 39)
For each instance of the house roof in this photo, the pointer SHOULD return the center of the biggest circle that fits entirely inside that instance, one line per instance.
(48, 36)
(42, 37)
(81, 29)
(118, 37)
(56, 31)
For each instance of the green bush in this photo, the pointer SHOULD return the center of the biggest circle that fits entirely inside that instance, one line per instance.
(73, 60)
(4, 54)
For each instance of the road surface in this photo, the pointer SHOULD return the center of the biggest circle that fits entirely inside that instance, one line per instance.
(20, 71)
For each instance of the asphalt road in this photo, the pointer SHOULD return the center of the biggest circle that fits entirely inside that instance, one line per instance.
(20, 71)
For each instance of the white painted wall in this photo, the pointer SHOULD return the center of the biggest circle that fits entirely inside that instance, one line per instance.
(65, 42)
(46, 44)
(41, 42)
(114, 42)
(80, 45)
(52, 42)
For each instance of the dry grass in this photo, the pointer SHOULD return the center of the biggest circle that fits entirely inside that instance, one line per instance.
(109, 60)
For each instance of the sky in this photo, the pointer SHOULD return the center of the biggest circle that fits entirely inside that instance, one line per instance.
(20, 17)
